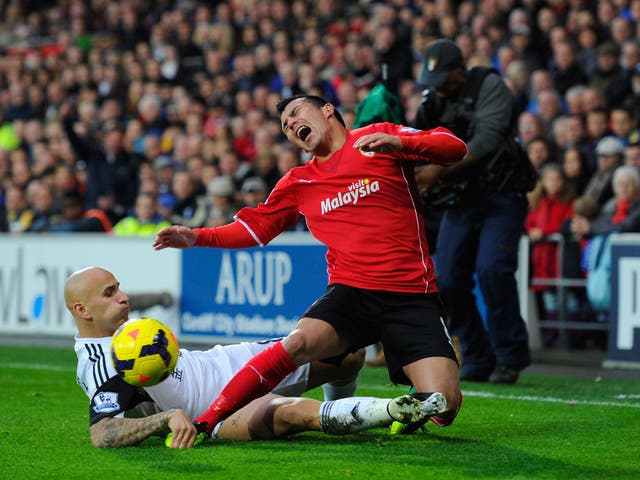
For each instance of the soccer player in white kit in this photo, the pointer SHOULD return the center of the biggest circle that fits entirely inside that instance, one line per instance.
(122, 415)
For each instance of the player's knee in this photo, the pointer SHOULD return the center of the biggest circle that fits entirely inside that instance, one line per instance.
(290, 417)
(270, 420)
(298, 346)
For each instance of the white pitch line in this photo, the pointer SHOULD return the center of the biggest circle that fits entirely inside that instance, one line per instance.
(534, 398)
(467, 393)
(36, 366)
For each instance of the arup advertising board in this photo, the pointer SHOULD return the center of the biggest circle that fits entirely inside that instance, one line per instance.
(249, 294)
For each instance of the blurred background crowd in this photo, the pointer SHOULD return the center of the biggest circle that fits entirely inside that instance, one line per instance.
(128, 115)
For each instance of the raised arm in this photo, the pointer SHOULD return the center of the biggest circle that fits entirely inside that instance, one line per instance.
(438, 146)
(126, 432)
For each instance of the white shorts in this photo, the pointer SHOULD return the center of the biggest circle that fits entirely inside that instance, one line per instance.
(200, 376)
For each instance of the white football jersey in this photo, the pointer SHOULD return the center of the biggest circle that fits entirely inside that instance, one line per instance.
(197, 380)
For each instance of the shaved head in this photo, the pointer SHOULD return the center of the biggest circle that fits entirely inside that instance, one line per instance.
(77, 285)
(93, 297)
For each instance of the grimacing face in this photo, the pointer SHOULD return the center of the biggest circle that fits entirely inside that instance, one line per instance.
(304, 124)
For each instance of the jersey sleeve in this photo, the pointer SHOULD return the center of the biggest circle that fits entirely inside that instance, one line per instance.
(279, 212)
(439, 145)
(232, 235)
(113, 398)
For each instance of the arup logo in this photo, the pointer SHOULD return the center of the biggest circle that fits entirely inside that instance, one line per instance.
(355, 192)
(253, 278)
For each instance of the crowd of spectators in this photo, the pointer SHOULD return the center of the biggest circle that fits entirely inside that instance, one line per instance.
(159, 112)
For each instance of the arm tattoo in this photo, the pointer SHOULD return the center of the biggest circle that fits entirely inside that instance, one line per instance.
(125, 432)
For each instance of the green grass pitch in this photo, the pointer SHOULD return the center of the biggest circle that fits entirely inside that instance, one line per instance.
(541, 428)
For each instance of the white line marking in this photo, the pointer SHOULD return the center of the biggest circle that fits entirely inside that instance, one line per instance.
(36, 366)
(534, 398)
(467, 393)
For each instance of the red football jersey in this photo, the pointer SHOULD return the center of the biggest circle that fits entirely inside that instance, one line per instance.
(364, 207)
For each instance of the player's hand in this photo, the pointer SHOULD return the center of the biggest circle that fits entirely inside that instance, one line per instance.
(175, 236)
(184, 432)
(378, 142)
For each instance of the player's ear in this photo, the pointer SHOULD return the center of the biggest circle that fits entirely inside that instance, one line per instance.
(80, 311)
(328, 110)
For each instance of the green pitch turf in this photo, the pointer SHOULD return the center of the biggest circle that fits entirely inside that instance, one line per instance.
(541, 428)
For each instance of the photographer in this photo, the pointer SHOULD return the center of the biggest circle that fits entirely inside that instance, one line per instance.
(484, 205)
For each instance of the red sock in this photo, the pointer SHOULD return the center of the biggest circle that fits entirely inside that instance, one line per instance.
(257, 378)
(445, 419)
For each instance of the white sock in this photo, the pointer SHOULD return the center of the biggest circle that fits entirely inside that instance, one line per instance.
(350, 415)
(342, 388)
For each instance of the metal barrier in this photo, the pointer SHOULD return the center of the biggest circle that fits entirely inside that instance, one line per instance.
(562, 284)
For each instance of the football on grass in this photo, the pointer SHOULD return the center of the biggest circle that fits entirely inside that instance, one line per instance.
(144, 351)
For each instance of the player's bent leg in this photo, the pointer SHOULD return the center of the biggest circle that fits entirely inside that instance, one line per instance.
(313, 339)
(338, 381)
(272, 416)
(269, 417)
(323, 372)
(437, 374)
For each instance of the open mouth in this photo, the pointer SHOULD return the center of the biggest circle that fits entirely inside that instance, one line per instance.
(303, 132)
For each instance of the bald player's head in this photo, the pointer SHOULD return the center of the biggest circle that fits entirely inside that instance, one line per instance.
(93, 297)
(76, 287)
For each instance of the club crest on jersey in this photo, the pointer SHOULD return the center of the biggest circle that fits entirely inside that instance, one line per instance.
(366, 153)
(106, 402)
(354, 193)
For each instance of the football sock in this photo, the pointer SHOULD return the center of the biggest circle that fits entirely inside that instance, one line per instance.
(342, 388)
(350, 415)
(258, 377)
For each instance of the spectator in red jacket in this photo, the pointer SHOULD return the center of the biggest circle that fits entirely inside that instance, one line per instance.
(552, 206)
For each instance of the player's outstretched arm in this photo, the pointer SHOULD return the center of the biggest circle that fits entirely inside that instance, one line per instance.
(176, 236)
(232, 235)
(126, 432)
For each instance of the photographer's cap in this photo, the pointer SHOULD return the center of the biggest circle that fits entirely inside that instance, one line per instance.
(440, 58)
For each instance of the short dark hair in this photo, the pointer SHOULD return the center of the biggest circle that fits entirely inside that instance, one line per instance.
(314, 99)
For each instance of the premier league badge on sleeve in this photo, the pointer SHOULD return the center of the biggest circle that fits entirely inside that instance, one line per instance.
(106, 402)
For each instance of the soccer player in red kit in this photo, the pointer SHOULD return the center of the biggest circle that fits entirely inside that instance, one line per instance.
(359, 198)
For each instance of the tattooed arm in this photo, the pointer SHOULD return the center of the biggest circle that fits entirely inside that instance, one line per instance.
(125, 432)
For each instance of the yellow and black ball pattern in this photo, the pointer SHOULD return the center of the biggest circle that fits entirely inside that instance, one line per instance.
(144, 351)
